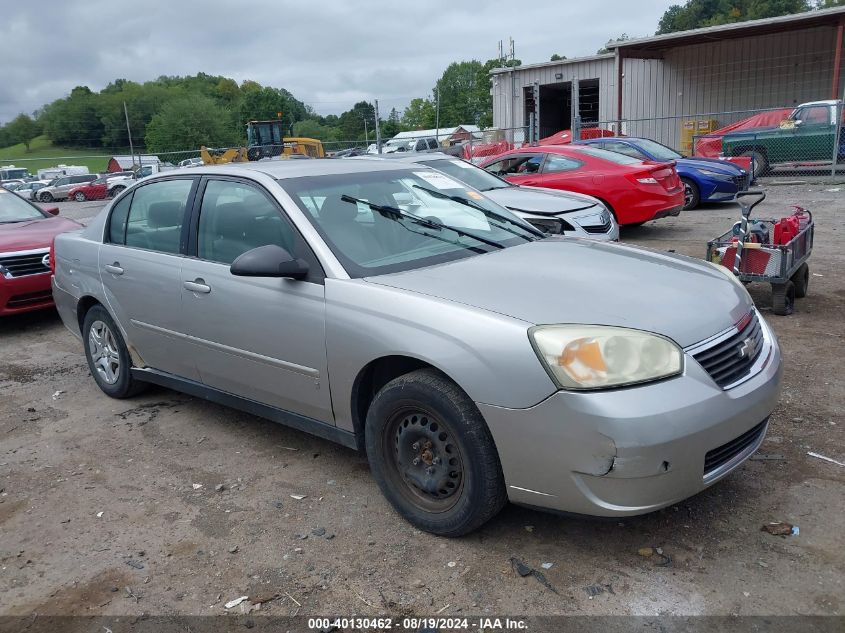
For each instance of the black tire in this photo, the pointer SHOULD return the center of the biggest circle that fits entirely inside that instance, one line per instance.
(116, 190)
(79, 196)
(45, 197)
(801, 279)
(423, 430)
(783, 298)
(692, 196)
(123, 385)
(759, 162)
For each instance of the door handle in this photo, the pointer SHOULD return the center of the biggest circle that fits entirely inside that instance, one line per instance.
(114, 269)
(197, 285)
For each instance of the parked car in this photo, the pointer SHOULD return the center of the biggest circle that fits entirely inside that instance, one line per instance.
(475, 360)
(27, 190)
(705, 179)
(553, 212)
(422, 144)
(116, 184)
(635, 191)
(11, 185)
(808, 134)
(191, 162)
(94, 190)
(26, 233)
(59, 188)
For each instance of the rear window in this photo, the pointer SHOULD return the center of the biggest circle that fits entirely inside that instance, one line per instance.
(613, 157)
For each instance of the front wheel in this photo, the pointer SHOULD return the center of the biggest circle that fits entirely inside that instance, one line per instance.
(107, 356)
(45, 197)
(692, 197)
(79, 196)
(116, 190)
(759, 162)
(432, 454)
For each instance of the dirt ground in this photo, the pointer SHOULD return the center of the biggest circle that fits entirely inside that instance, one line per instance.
(111, 507)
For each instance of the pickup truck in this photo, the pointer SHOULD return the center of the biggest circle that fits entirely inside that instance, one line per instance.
(118, 184)
(805, 138)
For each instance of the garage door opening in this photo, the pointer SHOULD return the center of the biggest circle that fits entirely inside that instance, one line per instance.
(556, 105)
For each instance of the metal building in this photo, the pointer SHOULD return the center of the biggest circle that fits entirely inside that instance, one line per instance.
(649, 86)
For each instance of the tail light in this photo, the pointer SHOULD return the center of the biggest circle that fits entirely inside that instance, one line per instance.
(53, 257)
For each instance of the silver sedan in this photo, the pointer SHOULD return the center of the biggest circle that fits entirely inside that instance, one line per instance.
(473, 359)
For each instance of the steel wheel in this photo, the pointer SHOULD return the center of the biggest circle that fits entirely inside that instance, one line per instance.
(424, 461)
(103, 349)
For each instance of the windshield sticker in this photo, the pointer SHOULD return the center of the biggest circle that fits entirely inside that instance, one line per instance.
(438, 180)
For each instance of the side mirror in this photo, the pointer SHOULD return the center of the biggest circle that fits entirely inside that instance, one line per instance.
(52, 210)
(269, 261)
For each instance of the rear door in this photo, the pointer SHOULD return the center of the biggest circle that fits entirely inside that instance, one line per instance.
(140, 264)
(259, 338)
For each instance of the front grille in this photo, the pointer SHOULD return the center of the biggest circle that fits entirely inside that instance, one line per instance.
(598, 228)
(726, 452)
(28, 299)
(740, 182)
(731, 359)
(22, 265)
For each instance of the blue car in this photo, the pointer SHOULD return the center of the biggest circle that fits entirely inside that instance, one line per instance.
(705, 179)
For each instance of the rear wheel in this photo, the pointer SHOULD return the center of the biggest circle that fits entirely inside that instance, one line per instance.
(107, 355)
(692, 197)
(432, 455)
(783, 298)
(801, 279)
(759, 162)
(79, 196)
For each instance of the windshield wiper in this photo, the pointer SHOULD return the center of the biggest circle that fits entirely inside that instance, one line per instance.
(487, 212)
(395, 213)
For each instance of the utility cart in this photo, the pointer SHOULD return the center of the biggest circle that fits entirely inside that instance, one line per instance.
(781, 262)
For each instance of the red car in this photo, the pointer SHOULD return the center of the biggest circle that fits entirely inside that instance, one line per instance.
(26, 236)
(635, 191)
(94, 190)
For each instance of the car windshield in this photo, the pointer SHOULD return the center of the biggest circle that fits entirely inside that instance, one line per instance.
(658, 150)
(603, 154)
(15, 209)
(468, 173)
(371, 242)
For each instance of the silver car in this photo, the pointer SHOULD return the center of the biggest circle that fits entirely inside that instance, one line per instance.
(59, 188)
(474, 360)
(27, 190)
(553, 212)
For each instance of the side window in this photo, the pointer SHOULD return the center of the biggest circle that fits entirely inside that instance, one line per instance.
(432, 143)
(517, 165)
(814, 115)
(624, 148)
(117, 221)
(156, 215)
(62, 181)
(556, 164)
(236, 217)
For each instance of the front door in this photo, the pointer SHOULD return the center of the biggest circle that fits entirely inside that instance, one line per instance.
(259, 338)
(140, 263)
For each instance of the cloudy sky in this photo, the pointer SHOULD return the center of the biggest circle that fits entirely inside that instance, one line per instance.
(328, 53)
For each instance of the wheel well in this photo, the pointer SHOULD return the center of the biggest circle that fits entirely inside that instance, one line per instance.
(750, 148)
(609, 207)
(85, 304)
(371, 379)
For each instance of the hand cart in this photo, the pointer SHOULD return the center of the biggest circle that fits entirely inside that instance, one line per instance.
(784, 266)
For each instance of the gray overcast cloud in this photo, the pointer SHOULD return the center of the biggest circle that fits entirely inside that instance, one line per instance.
(328, 53)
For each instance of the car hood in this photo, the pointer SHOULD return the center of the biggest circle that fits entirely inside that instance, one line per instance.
(23, 236)
(542, 201)
(570, 280)
(713, 164)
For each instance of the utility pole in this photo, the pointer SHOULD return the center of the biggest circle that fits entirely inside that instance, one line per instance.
(129, 134)
(378, 130)
(437, 119)
(366, 134)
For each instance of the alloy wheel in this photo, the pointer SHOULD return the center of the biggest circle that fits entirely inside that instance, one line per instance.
(103, 349)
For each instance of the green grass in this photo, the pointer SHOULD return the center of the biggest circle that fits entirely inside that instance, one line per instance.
(43, 154)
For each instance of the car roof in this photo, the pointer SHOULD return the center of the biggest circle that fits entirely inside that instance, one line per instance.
(412, 157)
(281, 169)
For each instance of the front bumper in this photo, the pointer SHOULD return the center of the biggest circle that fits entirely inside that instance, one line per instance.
(634, 450)
(24, 294)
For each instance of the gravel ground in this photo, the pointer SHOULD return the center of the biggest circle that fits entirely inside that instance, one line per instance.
(189, 504)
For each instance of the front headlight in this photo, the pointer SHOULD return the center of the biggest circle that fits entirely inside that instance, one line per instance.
(600, 357)
(715, 174)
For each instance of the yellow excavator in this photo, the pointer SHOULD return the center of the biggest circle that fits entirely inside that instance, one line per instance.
(265, 139)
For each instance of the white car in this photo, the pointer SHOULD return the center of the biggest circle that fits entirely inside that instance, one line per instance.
(27, 190)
